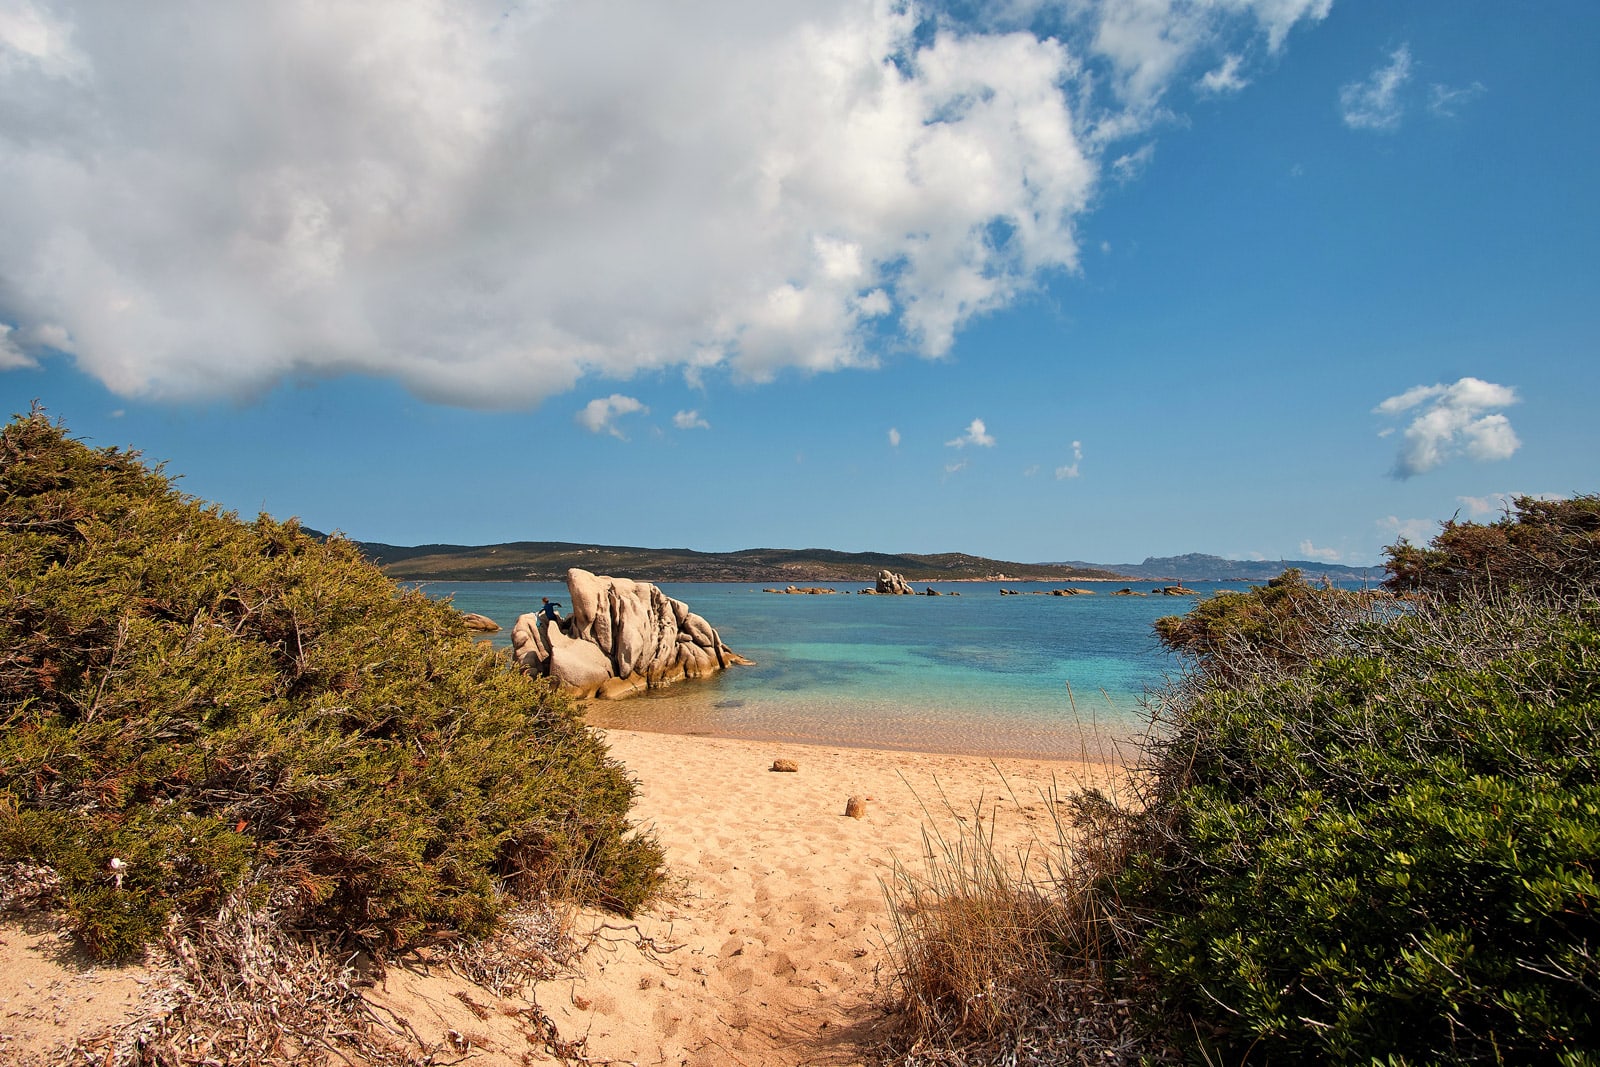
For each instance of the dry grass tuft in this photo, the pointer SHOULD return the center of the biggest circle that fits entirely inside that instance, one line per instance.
(238, 989)
(533, 943)
(1002, 958)
(241, 989)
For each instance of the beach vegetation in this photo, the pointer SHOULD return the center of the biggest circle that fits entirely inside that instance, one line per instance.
(196, 709)
(1364, 828)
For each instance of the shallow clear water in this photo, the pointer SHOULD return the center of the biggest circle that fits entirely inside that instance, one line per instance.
(979, 672)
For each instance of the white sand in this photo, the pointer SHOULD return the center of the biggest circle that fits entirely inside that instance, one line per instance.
(770, 950)
(778, 934)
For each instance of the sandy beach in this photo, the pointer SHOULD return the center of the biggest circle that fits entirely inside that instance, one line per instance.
(770, 949)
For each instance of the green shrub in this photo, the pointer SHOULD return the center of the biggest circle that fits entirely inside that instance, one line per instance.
(217, 704)
(1379, 842)
(1282, 619)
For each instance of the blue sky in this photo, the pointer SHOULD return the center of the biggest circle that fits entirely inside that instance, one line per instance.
(1096, 279)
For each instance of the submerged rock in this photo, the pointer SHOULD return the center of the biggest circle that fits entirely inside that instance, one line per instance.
(623, 637)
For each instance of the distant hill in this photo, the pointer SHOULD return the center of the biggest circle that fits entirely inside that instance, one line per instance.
(550, 560)
(1198, 567)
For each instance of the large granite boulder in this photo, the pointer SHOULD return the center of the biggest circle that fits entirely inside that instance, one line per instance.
(623, 637)
(894, 584)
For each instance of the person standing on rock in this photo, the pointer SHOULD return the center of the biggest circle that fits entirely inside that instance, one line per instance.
(551, 611)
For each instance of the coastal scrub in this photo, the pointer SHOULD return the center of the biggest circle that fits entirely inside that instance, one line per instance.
(195, 706)
(1366, 829)
(1377, 839)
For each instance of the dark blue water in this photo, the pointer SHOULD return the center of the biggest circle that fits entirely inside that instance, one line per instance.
(978, 673)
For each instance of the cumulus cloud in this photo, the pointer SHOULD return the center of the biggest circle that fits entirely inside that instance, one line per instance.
(1225, 79)
(12, 357)
(600, 414)
(1479, 507)
(977, 434)
(1498, 504)
(1374, 103)
(894, 437)
(1327, 555)
(690, 420)
(492, 204)
(1450, 421)
(1071, 470)
(1417, 531)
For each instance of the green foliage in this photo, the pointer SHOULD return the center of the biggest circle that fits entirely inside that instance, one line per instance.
(214, 703)
(1280, 619)
(1378, 840)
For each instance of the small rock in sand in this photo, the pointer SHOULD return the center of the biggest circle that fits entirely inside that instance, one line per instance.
(856, 807)
(785, 765)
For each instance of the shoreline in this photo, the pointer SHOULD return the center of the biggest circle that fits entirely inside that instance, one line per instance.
(1093, 751)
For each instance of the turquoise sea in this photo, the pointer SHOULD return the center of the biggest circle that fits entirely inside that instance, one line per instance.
(976, 673)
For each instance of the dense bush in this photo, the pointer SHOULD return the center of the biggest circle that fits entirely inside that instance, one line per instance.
(1384, 846)
(1283, 619)
(1541, 545)
(215, 704)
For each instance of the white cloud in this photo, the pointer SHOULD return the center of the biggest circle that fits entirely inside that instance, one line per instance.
(690, 420)
(977, 434)
(1125, 168)
(1374, 104)
(1479, 507)
(1149, 42)
(12, 357)
(1498, 504)
(1327, 555)
(1030, 471)
(1417, 531)
(1071, 470)
(1444, 101)
(493, 205)
(1225, 79)
(35, 38)
(952, 468)
(1454, 420)
(894, 437)
(599, 415)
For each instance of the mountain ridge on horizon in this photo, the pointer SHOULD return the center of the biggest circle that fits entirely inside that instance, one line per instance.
(1202, 567)
(550, 560)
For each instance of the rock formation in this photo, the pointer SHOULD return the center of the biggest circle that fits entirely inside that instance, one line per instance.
(622, 638)
(893, 584)
(481, 623)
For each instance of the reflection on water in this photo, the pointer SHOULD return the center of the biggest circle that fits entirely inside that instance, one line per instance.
(979, 673)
